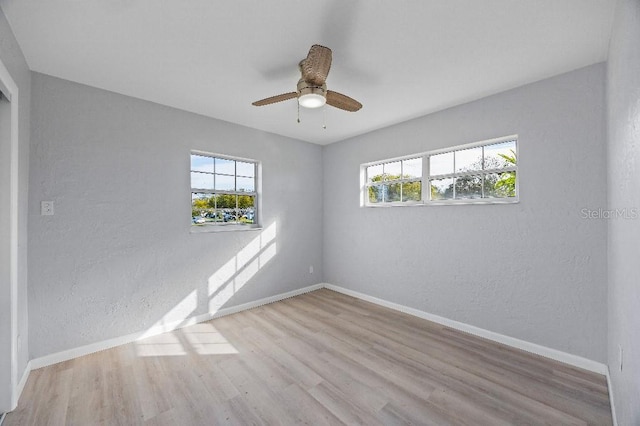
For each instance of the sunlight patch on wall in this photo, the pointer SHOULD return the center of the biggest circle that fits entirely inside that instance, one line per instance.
(234, 274)
(183, 310)
(203, 338)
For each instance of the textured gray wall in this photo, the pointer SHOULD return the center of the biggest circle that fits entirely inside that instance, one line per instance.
(534, 270)
(623, 79)
(117, 257)
(14, 61)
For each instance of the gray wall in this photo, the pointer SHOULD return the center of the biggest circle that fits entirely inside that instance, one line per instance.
(623, 79)
(534, 270)
(117, 257)
(14, 61)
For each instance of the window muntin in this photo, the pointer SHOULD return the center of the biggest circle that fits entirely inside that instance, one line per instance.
(223, 191)
(484, 172)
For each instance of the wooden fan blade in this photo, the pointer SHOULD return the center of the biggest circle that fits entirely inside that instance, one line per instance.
(316, 66)
(341, 101)
(275, 99)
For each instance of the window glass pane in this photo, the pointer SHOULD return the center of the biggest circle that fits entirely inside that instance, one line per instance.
(201, 180)
(229, 215)
(224, 166)
(500, 155)
(201, 163)
(412, 191)
(468, 159)
(442, 189)
(226, 201)
(500, 185)
(392, 170)
(245, 169)
(227, 207)
(412, 168)
(441, 164)
(209, 216)
(225, 183)
(248, 216)
(245, 184)
(469, 187)
(375, 194)
(374, 173)
(246, 209)
(246, 201)
(216, 216)
(202, 208)
(392, 193)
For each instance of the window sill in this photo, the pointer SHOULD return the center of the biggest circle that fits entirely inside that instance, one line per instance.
(205, 229)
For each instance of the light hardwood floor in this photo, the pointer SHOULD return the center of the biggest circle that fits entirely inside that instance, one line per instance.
(320, 358)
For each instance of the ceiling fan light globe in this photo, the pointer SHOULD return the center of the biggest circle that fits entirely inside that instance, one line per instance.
(312, 100)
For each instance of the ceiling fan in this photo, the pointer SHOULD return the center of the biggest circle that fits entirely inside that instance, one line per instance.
(312, 88)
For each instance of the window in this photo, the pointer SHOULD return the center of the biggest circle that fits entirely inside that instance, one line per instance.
(223, 191)
(484, 172)
(398, 181)
(480, 172)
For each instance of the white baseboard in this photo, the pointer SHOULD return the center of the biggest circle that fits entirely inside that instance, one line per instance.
(117, 341)
(613, 405)
(555, 354)
(21, 385)
(534, 348)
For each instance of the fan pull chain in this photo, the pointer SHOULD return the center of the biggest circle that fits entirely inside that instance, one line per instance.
(324, 117)
(298, 111)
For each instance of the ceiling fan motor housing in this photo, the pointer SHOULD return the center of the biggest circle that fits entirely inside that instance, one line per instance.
(310, 95)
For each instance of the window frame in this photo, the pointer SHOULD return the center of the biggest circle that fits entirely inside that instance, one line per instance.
(256, 194)
(426, 177)
(400, 181)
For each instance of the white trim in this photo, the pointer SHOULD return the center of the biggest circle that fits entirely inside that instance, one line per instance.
(223, 156)
(534, 348)
(426, 177)
(256, 193)
(204, 229)
(613, 405)
(23, 381)
(117, 341)
(443, 150)
(12, 94)
(4, 91)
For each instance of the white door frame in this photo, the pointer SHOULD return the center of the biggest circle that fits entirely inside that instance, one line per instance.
(12, 291)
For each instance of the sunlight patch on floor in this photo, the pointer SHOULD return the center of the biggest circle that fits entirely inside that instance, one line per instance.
(166, 344)
(206, 340)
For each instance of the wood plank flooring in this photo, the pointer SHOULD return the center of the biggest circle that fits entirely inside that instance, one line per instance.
(322, 358)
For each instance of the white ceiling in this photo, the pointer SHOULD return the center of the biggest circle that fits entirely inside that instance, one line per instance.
(401, 59)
